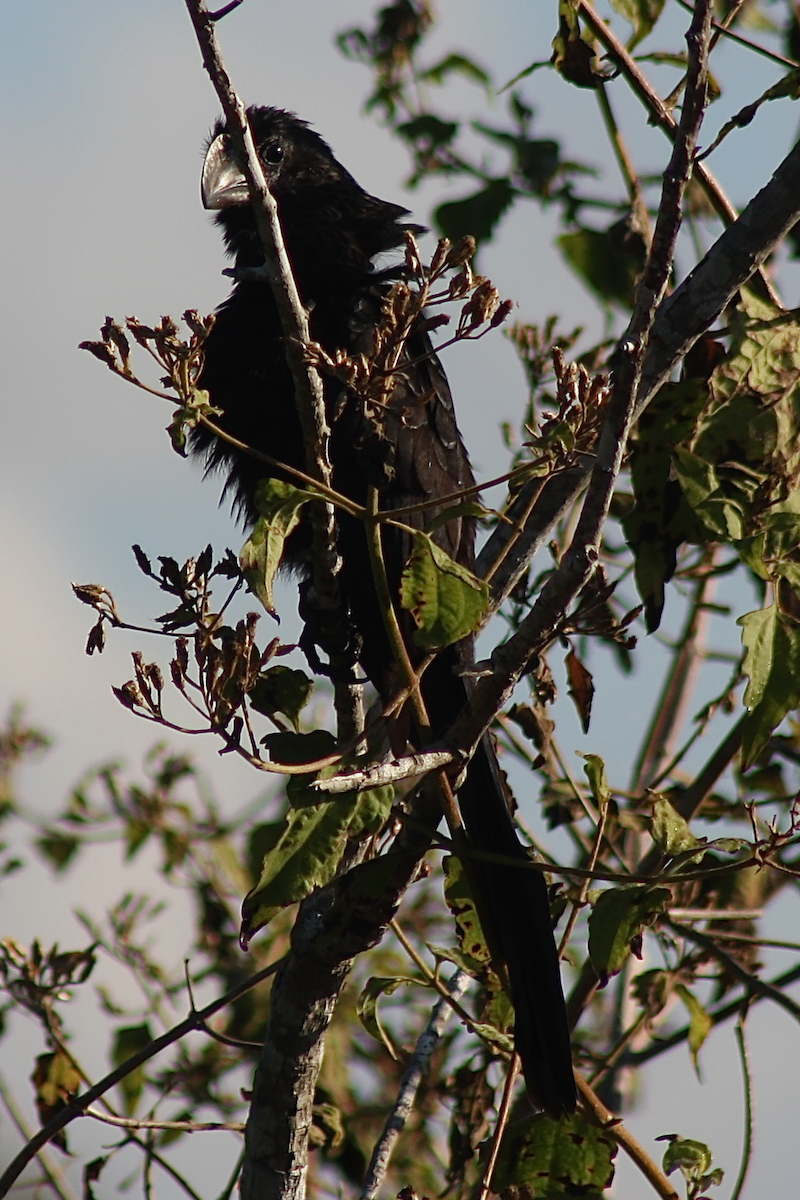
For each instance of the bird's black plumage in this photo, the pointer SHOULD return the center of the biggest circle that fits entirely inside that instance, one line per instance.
(333, 231)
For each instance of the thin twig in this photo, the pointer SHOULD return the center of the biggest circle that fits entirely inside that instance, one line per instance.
(747, 1080)
(309, 393)
(624, 160)
(409, 1085)
(726, 914)
(179, 1126)
(78, 1106)
(752, 983)
(510, 660)
(501, 1125)
(612, 1058)
(721, 30)
(433, 979)
(662, 117)
(308, 386)
(578, 904)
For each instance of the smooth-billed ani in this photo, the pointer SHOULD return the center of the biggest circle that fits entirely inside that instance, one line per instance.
(333, 231)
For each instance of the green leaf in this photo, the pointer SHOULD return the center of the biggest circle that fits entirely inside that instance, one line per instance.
(262, 839)
(652, 989)
(729, 845)
(670, 831)
(429, 129)
(700, 1023)
(281, 689)
(692, 1158)
(759, 636)
(661, 518)
(367, 1007)
(595, 771)
(307, 850)
(554, 1159)
(137, 832)
(748, 434)
(455, 64)
(91, 1173)
(294, 749)
(449, 954)
(129, 1040)
(640, 14)
(279, 505)
(58, 848)
(188, 417)
(466, 508)
(772, 665)
(446, 600)
(493, 1036)
(723, 516)
(536, 161)
(608, 268)
(476, 215)
(573, 57)
(617, 921)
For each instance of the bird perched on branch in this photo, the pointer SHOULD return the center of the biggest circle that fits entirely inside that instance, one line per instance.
(333, 232)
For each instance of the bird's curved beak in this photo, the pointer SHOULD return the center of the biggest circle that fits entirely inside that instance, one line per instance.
(222, 184)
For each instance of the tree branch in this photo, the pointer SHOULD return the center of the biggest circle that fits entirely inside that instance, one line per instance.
(510, 660)
(333, 926)
(682, 318)
(638, 1155)
(308, 387)
(409, 1086)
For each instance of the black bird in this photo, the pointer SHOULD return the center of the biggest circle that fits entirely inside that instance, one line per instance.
(333, 231)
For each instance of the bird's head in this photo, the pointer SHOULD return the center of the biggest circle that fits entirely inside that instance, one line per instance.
(320, 203)
(294, 157)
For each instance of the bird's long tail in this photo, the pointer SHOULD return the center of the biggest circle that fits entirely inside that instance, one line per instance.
(514, 908)
(512, 901)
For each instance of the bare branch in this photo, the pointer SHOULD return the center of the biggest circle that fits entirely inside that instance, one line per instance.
(682, 318)
(309, 391)
(411, 766)
(409, 1085)
(510, 660)
(333, 925)
(179, 1126)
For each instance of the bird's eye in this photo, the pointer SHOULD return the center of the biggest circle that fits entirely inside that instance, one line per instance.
(272, 153)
